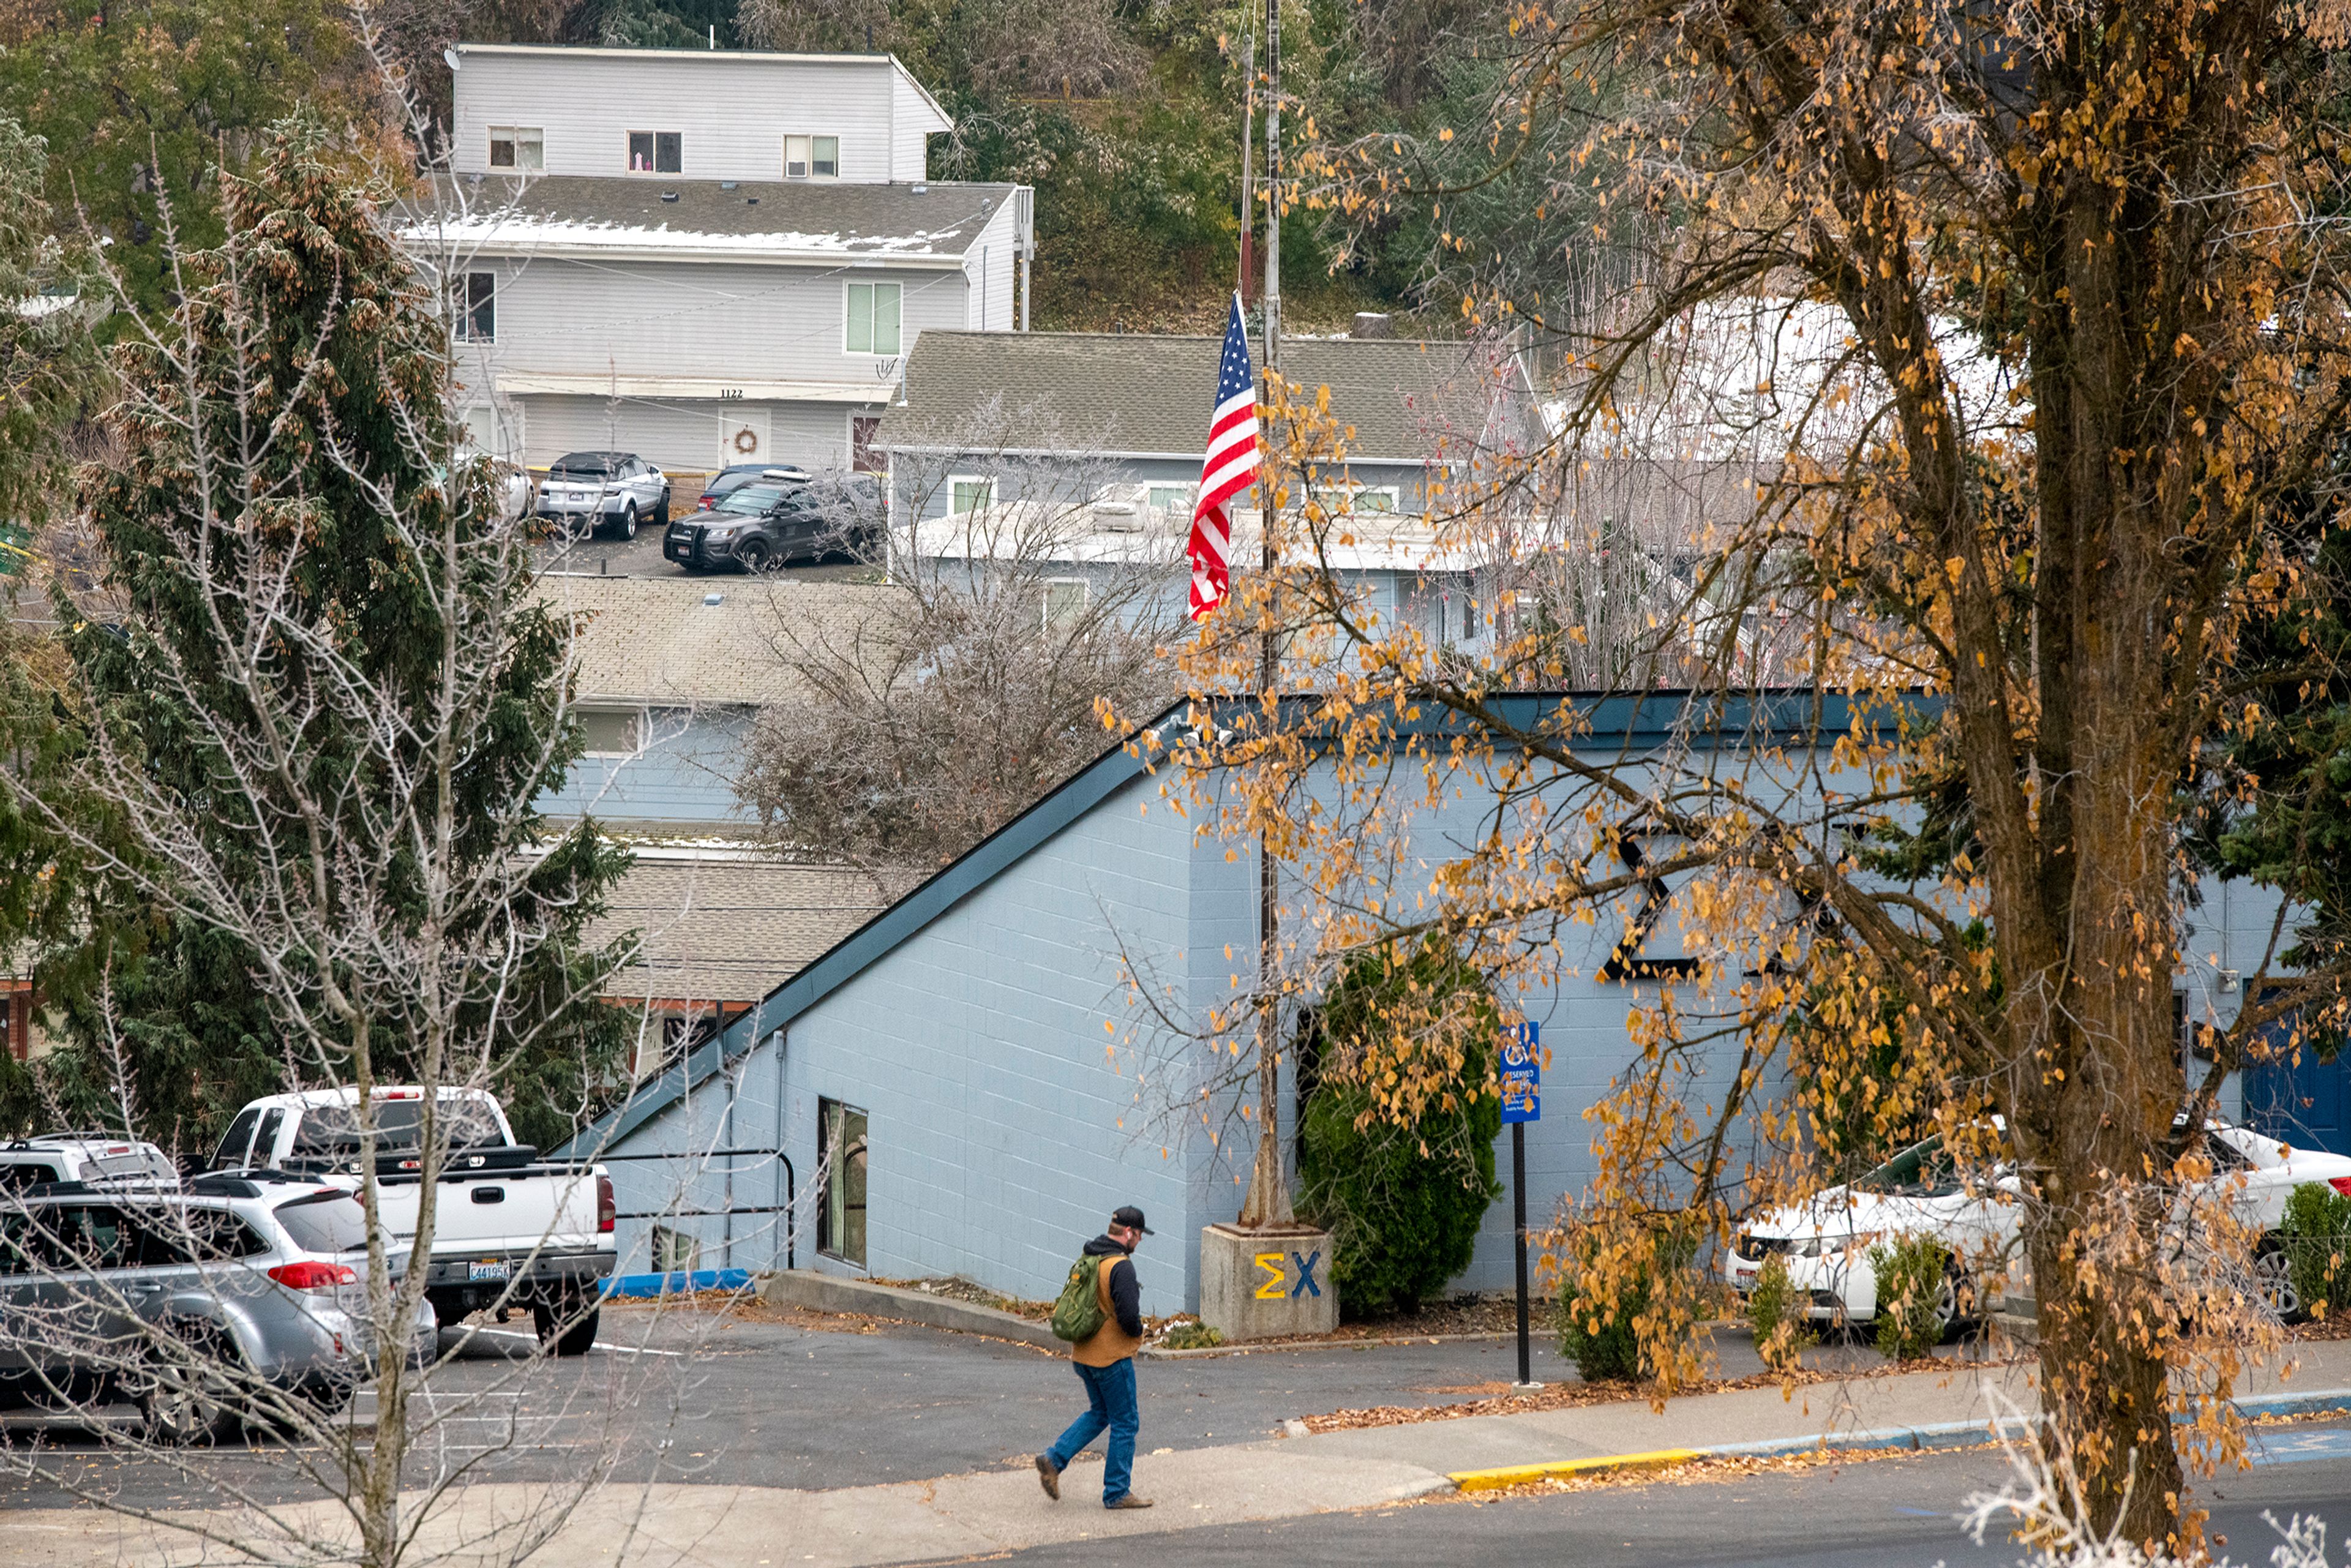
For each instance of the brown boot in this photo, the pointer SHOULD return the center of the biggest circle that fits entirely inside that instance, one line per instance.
(1129, 1501)
(1048, 1476)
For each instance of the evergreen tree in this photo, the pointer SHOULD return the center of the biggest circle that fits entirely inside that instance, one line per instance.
(320, 370)
(1402, 1199)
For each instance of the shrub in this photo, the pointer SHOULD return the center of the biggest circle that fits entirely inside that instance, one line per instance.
(1402, 1202)
(1191, 1337)
(1600, 1337)
(1776, 1314)
(1910, 1272)
(2317, 1232)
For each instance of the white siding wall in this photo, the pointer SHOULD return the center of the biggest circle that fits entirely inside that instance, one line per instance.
(912, 121)
(733, 111)
(715, 319)
(683, 436)
(993, 268)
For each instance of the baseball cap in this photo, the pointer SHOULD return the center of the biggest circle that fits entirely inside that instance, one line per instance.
(1132, 1217)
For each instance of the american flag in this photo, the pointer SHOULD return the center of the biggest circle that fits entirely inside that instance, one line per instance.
(1228, 469)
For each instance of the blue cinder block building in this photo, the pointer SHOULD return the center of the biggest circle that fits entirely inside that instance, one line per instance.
(945, 1091)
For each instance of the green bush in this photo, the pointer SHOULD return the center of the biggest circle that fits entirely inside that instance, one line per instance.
(1776, 1313)
(1600, 1341)
(2318, 1231)
(1403, 1203)
(1191, 1337)
(1910, 1272)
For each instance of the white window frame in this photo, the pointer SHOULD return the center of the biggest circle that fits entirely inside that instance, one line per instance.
(1352, 494)
(1085, 597)
(640, 721)
(983, 483)
(809, 147)
(656, 172)
(848, 318)
(520, 136)
(465, 308)
(1186, 497)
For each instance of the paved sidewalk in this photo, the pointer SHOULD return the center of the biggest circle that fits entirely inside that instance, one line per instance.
(1001, 1511)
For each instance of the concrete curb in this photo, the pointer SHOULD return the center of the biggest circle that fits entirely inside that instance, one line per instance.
(1155, 1352)
(831, 1293)
(1935, 1435)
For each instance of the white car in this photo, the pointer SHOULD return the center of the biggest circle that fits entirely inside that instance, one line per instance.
(584, 491)
(92, 1158)
(1825, 1240)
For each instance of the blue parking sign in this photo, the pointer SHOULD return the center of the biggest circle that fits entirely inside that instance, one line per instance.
(1521, 1073)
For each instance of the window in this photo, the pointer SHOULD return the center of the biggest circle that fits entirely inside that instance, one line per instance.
(614, 732)
(15, 1178)
(517, 146)
(231, 1153)
(1172, 499)
(1065, 602)
(656, 153)
(264, 1141)
(965, 494)
(811, 157)
(477, 315)
(674, 1251)
(327, 1222)
(840, 1157)
(872, 319)
(862, 459)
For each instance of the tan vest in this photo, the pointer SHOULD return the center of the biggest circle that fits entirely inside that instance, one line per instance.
(1109, 1342)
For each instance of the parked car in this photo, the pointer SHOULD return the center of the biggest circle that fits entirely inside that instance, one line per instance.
(511, 1229)
(775, 521)
(189, 1304)
(93, 1159)
(728, 480)
(1825, 1240)
(585, 491)
(517, 492)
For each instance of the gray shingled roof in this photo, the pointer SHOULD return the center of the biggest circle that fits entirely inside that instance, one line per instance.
(656, 639)
(857, 219)
(1127, 392)
(729, 930)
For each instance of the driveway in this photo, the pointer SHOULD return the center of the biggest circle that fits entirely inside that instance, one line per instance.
(641, 556)
(769, 1398)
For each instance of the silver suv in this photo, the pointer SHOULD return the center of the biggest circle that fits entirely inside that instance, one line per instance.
(585, 491)
(206, 1308)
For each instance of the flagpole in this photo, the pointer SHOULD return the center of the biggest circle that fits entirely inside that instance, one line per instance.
(1249, 121)
(1267, 1203)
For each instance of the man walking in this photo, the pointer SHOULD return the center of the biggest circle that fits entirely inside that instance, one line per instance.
(1106, 1364)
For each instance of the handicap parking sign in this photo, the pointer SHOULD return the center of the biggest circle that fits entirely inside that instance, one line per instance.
(1521, 1073)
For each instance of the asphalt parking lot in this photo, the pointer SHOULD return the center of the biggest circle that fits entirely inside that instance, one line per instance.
(769, 1399)
(606, 554)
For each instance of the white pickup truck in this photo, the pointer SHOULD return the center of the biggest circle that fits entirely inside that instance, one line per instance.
(508, 1229)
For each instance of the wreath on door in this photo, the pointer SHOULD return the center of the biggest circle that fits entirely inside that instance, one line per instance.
(747, 441)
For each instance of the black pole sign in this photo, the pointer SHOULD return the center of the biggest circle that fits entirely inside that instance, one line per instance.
(1522, 1086)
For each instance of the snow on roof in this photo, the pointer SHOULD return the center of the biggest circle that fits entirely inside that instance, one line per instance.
(784, 220)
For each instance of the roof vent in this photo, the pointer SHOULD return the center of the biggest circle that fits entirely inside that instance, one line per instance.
(669, 195)
(918, 187)
(725, 184)
(713, 599)
(1371, 324)
(750, 200)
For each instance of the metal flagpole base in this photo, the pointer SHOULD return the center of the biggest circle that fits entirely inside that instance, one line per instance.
(1526, 1387)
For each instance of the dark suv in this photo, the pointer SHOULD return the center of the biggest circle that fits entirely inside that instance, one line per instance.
(773, 521)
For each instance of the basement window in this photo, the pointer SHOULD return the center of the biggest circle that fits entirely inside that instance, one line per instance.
(656, 153)
(840, 1157)
(522, 148)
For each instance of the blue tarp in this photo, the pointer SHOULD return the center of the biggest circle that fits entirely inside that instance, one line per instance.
(678, 1283)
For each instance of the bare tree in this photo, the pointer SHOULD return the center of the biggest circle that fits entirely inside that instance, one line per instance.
(1025, 591)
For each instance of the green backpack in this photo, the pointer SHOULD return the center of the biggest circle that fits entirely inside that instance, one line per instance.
(1078, 1314)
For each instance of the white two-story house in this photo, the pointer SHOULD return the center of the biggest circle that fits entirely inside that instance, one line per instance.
(705, 258)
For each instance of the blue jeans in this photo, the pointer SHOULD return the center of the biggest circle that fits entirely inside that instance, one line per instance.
(1110, 1394)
